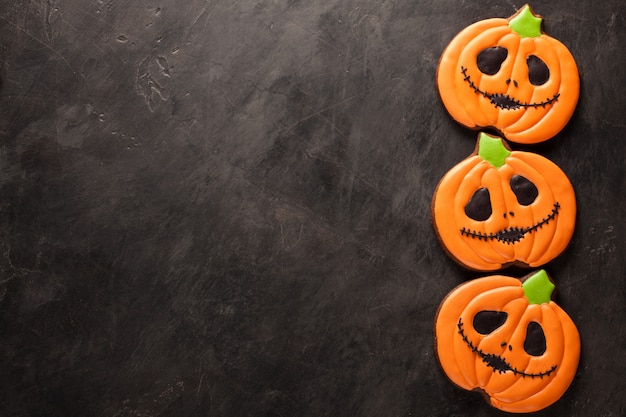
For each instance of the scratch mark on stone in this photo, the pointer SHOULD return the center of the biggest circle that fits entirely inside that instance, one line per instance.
(163, 64)
(147, 86)
(52, 17)
(41, 41)
(340, 102)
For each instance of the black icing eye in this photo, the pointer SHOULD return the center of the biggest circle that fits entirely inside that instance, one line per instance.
(479, 206)
(535, 342)
(486, 321)
(489, 60)
(524, 190)
(538, 72)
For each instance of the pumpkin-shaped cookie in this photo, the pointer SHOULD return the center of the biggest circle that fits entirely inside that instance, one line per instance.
(500, 207)
(506, 338)
(509, 75)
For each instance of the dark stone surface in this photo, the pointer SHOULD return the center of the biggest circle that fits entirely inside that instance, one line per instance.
(222, 208)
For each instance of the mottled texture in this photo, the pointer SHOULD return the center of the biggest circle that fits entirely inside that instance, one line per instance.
(222, 208)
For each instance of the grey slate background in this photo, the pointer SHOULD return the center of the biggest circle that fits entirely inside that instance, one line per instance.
(222, 208)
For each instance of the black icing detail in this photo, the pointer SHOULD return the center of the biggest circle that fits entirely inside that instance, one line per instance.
(486, 321)
(479, 205)
(490, 60)
(505, 101)
(512, 234)
(538, 72)
(525, 191)
(496, 362)
(535, 342)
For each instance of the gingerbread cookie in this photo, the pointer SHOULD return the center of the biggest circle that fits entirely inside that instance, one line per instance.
(506, 338)
(509, 75)
(500, 207)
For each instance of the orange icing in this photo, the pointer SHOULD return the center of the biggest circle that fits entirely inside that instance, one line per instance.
(534, 113)
(526, 235)
(497, 363)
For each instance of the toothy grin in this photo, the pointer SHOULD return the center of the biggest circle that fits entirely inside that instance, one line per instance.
(512, 234)
(496, 362)
(505, 101)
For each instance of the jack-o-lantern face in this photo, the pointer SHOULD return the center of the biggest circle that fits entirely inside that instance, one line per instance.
(509, 75)
(507, 338)
(500, 207)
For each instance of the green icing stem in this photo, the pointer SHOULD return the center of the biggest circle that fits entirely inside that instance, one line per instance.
(538, 288)
(492, 150)
(526, 24)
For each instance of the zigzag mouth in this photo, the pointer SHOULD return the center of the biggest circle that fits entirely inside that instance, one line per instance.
(505, 101)
(496, 362)
(512, 234)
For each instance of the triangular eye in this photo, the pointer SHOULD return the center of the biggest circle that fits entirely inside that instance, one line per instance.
(524, 190)
(490, 60)
(479, 205)
(535, 342)
(486, 321)
(538, 72)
